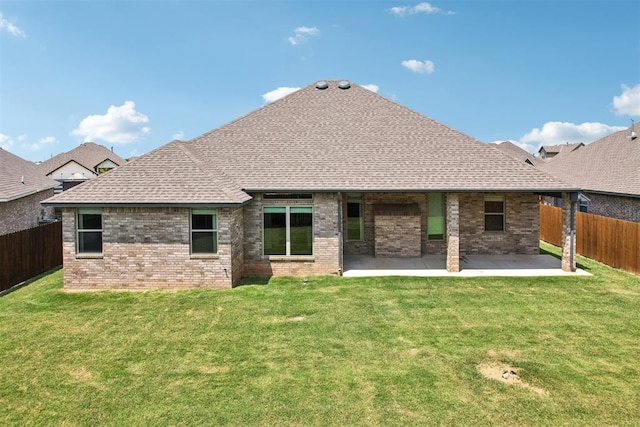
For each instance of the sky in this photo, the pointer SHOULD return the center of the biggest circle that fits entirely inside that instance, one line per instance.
(134, 75)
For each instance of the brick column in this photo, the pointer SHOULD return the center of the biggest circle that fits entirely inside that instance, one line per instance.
(568, 238)
(453, 233)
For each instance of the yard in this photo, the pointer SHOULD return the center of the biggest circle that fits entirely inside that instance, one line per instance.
(375, 351)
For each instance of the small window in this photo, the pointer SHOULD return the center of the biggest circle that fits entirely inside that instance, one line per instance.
(435, 220)
(494, 213)
(288, 230)
(355, 217)
(89, 231)
(204, 231)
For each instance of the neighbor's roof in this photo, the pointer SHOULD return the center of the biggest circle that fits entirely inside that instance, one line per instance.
(608, 165)
(87, 154)
(321, 140)
(516, 152)
(559, 150)
(13, 171)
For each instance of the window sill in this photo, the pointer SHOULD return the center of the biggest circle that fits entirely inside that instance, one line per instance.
(290, 258)
(204, 256)
(89, 256)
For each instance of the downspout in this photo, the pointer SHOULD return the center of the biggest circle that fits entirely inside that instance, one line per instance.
(340, 243)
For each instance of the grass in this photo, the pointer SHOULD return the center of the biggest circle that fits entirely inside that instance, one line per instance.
(376, 351)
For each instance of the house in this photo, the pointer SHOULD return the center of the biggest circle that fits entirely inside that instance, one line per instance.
(22, 188)
(511, 149)
(76, 166)
(608, 171)
(552, 152)
(329, 171)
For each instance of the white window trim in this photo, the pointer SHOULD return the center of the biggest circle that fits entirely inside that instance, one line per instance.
(503, 213)
(90, 211)
(213, 212)
(287, 220)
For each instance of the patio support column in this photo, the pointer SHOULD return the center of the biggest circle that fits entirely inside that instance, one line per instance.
(453, 233)
(569, 201)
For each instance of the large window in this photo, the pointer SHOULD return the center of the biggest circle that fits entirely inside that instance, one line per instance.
(494, 213)
(89, 231)
(288, 230)
(435, 220)
(204, 231)
(355, 218)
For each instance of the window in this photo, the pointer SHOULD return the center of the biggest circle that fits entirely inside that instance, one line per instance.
(89, 231)
(355, 218)
(288, 230)
(287, 196)
(494, 213)
(204, 231)
(435, 220)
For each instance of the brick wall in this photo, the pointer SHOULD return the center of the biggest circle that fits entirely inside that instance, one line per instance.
(398, 236)
(625, 208)
(326, 245)
(148, 248)
(521, 235)
(22, 213)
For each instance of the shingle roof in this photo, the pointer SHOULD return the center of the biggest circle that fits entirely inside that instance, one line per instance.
(516, 152)
(609, 165)
(559, 150)
(87, 154)
(169, 175)
(320, 140)
(13, 170)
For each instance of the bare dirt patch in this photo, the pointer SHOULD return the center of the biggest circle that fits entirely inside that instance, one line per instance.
(508, 375)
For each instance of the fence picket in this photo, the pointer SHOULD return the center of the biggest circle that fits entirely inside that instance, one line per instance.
(611, 241)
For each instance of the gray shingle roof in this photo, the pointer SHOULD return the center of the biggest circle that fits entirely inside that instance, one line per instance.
(87, 154)
(609, 165)
(12, 171)
(169, 175)
(516, 152)
(314, 140)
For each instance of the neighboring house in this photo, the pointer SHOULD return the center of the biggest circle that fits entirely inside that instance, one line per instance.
(608, 171)
(84, 162)
(516, 152)
(292, 188)
(553, 152)
(22, 188)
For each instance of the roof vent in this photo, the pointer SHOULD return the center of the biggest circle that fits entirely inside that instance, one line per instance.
(322, 85)
(344, 84)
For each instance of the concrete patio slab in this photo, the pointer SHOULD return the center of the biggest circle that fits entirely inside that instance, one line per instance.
(470, 266)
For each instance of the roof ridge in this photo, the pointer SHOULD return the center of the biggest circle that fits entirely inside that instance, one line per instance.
(199, 163)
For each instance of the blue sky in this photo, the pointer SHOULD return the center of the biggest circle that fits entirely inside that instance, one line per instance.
(136, 74)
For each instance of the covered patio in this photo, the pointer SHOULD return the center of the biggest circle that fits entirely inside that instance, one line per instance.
(470, 266)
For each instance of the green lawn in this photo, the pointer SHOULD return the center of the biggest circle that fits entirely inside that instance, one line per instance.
(379, 351)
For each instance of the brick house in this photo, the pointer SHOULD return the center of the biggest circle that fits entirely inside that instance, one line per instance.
(295, 186)
(608, 171)
(22, 188)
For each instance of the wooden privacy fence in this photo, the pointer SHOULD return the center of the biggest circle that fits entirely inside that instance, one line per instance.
(611, 241)
(27, 253)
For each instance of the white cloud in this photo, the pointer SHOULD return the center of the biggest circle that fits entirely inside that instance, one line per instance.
(419, 67)
(48, 140)
(424, 7)
(6, 142)
(556, 133)
(120, 125)
(628, 103)
(276, 94)
(373, 88)
(178, 135)
(302, 34)
(10, 27)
